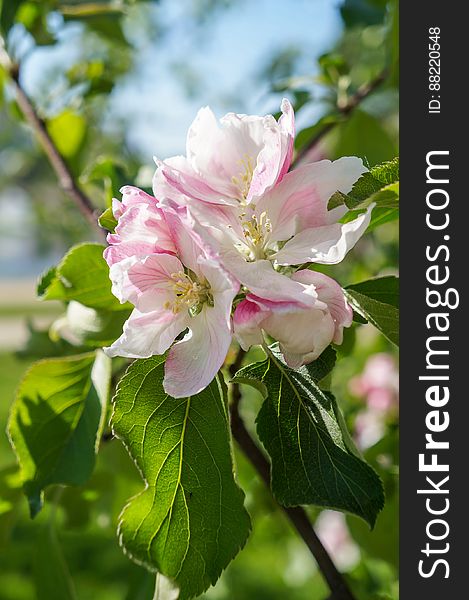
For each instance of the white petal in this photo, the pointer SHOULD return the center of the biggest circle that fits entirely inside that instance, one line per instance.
(302, 333)
(262, 280)
(148, 334)
(329, 292)
(193, 362)
(324, 245)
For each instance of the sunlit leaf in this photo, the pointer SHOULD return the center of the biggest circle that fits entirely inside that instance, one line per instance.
(83, 276)
(56, 421)
(189, 521)
(379, 185)
(313, 459)
(68, 132)
(377, 300)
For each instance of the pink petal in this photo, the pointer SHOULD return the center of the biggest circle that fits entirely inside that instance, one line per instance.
(300, 200)
(141, 230)
(194, 361)
(131, 196)
(189, 183)
(247, 319)
(118, 251)
(222, 285)
(149, 282)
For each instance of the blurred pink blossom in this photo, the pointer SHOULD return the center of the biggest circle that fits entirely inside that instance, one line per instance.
(378, 385)
(333, 532)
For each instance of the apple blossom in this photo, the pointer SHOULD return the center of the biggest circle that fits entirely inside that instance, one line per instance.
(230, 213)
(234, 161)
(303, 332)
(284, 223)
(172, 292)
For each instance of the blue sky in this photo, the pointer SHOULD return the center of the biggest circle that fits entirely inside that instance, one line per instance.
(227, 54)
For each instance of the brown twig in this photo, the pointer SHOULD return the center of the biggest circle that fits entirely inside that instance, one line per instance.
(297, 515)
(62, 170)
(363, 92)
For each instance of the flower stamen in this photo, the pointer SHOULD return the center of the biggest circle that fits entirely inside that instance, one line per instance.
(244, 178)
(189, 294)
(256, 233)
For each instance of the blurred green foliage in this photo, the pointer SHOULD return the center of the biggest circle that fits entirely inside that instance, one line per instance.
(72, 544)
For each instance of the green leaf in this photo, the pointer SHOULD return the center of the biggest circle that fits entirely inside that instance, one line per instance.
(102, 19)
(82, 275)
(45, 281)
(189, 521)
(307, 135)
(67, 130)
(348, 139)
(56, 422)
(387, 172)
(362, 12)
(387, 197)
(313, 460)
(8, 9)
(381, 216)
(33, 15)
(111, 173)
(51, 575)
(380, 185)
(377, 300)
(10, 496)
(107, 220)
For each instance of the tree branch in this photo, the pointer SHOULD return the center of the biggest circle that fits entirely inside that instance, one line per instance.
(297, 515)
(363, 92)
(62, 170)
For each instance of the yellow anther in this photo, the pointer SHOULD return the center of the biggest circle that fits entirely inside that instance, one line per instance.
(256, 231)
(189, 295)
(243, 180)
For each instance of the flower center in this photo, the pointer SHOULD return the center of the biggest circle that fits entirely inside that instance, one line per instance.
(243, 180)
(189, 294)
(256, 233)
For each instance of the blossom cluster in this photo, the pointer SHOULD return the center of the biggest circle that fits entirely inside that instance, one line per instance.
(221, 246)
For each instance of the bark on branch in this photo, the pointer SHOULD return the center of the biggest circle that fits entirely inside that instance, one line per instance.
(296, 515)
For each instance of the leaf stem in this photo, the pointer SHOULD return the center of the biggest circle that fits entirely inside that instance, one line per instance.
(62, 170)
(296, 514)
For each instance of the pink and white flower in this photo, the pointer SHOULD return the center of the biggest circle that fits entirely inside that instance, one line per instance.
(230, 213)
(233, 161)
(187, 289)
(282, 222)
(303, 333)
